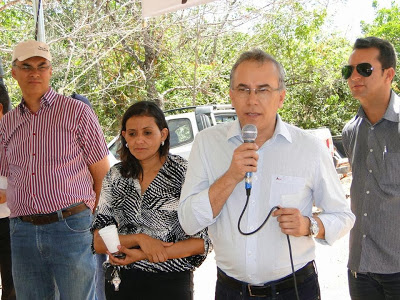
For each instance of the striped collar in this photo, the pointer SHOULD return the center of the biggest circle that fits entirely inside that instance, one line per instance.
(47, 99)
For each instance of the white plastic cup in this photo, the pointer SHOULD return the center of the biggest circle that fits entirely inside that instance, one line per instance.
(110, 237)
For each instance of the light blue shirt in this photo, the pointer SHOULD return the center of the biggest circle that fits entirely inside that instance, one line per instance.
(294, 170)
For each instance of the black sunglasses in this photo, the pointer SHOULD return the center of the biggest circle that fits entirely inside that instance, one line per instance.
(364, 69)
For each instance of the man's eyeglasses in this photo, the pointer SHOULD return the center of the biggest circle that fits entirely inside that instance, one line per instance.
(364, 69)
(261, 93)
(29, 68)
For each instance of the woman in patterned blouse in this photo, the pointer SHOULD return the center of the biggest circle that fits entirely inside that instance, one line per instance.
(140, 195)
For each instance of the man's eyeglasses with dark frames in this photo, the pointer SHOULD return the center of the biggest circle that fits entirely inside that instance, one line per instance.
(261, 93)
(29, 68)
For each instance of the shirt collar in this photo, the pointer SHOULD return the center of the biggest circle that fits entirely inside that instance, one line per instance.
(392, 111)
(47, 99)
(281, 129)
(235, 130)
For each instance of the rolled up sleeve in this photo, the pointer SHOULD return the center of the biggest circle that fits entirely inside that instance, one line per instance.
(330, 197)
(195, 212)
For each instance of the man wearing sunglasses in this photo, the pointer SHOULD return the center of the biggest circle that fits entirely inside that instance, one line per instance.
(53, 153)
(372, 143)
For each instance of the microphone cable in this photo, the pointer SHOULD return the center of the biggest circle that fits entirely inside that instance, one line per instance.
(259, 227)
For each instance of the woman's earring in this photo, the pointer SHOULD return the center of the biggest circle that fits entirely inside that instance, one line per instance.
(126, 145)
(162, 143)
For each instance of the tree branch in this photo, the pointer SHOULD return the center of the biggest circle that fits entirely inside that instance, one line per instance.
(5, 6)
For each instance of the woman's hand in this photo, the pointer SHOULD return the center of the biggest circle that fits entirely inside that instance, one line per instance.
(132, 255)
(153, 249)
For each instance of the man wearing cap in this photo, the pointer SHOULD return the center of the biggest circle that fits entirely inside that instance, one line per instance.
(54, 156)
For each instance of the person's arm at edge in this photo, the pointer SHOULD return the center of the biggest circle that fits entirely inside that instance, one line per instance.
(98, 171)
(3, 179)
(3, 198)
(3, 189)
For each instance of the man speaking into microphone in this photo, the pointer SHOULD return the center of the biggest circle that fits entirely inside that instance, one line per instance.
(289, 168)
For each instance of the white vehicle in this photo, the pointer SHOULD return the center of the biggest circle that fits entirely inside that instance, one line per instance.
(325, 135)
(184, 123)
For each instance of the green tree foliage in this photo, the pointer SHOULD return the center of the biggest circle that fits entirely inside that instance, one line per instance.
(104, 50)
(316, 94)
(386, 25)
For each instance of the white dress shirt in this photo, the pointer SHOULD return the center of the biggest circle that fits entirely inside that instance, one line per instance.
(4, 210)
(294, 170)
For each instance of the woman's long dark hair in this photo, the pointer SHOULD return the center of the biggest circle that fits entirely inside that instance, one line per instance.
(131, 167)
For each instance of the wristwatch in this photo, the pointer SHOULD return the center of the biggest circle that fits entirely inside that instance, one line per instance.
(314, 229)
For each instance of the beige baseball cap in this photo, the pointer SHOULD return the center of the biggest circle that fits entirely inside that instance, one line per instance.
(31, 48)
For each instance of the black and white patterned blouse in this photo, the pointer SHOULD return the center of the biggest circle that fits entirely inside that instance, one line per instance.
(154, 213)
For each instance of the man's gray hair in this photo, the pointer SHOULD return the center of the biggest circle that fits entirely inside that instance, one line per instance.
(261, 57)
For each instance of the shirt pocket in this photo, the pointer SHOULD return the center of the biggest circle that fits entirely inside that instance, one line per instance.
(390, 180)
(61, 148)
(289, 191)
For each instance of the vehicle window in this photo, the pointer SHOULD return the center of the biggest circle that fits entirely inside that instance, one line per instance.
(114, 148)
(225, 118)
(180, 131)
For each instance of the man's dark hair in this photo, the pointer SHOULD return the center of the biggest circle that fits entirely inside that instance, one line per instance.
(261, 57)
(130, 165)
(4, 99)
(387, 55)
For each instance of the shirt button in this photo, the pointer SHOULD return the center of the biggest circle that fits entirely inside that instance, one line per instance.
(371, 150)
(370, 171)
(372, 128)
(364, 236)
(365, 214)
(367, 192)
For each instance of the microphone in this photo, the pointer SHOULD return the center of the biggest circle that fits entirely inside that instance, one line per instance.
(249, 135)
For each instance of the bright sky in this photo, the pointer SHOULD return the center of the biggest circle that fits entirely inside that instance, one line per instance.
(347, 16)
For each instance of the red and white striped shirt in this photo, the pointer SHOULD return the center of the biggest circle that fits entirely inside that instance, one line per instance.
(46, 155)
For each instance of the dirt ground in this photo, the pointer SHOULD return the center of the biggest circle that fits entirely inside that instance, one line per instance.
(331, 264)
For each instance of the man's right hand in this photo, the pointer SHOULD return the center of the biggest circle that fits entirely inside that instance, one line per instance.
(244, 160)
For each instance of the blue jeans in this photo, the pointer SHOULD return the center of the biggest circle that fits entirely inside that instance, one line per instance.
(372, 286)
(308, 290)
(53, 259)
(100, 292)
